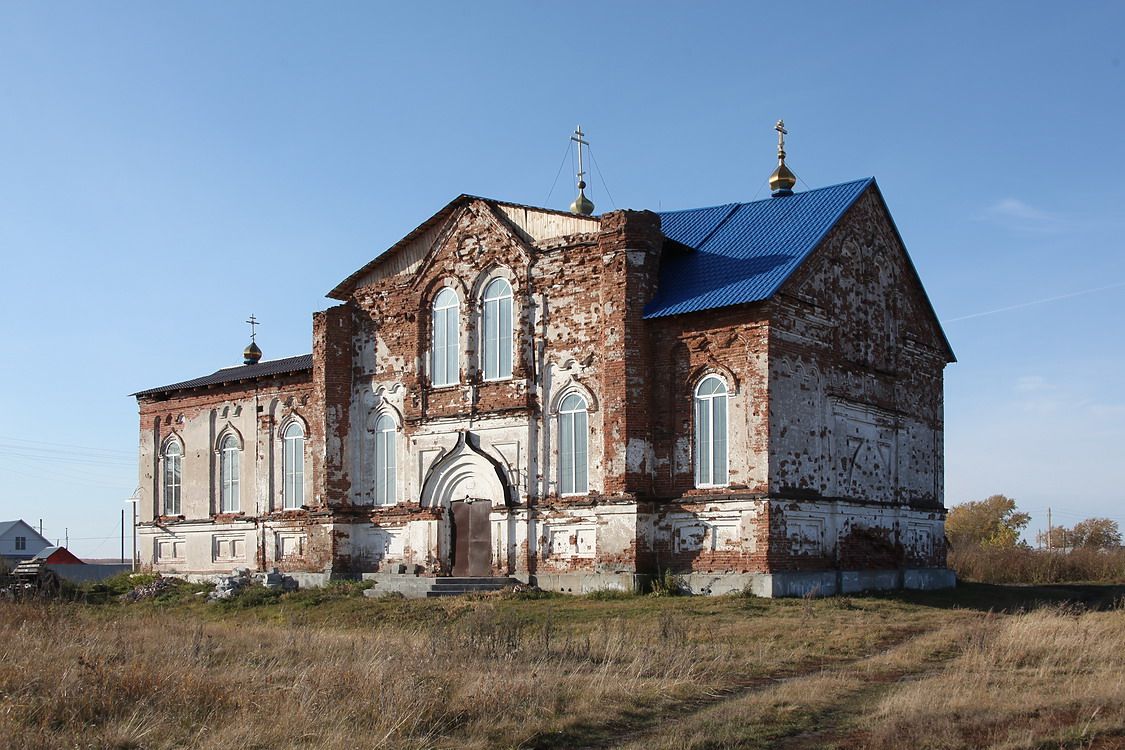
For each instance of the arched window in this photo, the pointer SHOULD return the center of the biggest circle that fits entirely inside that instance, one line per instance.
(173, 477)
(228, 474)
(573, 434)
(445, 364)
(711, 432)
(293, 465)
(385, 493)
(496, 348)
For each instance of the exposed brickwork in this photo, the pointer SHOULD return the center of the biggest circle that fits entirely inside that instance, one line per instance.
(834, 412)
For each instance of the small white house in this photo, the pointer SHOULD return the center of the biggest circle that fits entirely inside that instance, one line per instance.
(19, 541)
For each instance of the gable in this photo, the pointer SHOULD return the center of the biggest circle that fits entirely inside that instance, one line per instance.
(19, 527)
(473, 239)
(862, 281)
(529, 224)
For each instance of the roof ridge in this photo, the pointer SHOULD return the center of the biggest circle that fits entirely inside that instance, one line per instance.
(726, 217)
(770, 198)
(265, 362)
(237, 373)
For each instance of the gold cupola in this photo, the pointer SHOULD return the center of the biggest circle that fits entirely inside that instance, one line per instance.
(782, 180)
(252, 354)
(582, 204)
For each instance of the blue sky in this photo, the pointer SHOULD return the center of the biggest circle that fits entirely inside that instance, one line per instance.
(166, 169)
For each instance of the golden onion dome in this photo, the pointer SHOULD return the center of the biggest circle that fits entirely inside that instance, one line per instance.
(782, 180)
(251, 355)
(582, 204)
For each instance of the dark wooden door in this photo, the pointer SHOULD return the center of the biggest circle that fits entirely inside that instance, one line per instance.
(472, 538)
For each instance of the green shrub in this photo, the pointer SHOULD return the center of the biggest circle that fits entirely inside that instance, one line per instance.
(251, 596)
(609, 595)
(115, 586)
(669, 584)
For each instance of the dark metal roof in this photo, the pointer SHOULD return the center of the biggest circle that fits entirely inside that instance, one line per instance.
(744, 252)
(238, 374)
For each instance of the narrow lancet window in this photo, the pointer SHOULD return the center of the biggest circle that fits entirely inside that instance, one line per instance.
(445, 362)
(573, 434)
(711, 432)
(173, 477)
(497, 344)
(293, 464)
(228, 474)
(385, 464)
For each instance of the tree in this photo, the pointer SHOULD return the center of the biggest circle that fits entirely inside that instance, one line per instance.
(1099, 533)
(992, 522)
(1059, 537)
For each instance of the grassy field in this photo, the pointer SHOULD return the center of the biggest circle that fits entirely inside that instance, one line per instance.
(985, 666)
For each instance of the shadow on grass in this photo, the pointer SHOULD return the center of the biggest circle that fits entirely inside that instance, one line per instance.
(1010, 598)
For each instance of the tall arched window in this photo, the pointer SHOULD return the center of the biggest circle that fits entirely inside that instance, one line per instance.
(228, 474)
(711, 432)
(385, 493)
(573, 433)
(496, 349)
(173, 477)
(293, 465)
(445, 366)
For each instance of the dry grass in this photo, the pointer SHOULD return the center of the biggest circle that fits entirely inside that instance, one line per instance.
(1050, 678)
(317, 671)
(1017, 565)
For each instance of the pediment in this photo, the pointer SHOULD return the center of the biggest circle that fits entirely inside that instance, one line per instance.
(520, 226)
(476, 237)
(862, 276)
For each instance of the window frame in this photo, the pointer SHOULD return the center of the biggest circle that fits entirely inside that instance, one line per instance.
(21, 544)
(230, 469)
(439, 312)
(169, 458)
(495, 319)
(386, 460)
(699, 402)
(571, 414)
(292, 481)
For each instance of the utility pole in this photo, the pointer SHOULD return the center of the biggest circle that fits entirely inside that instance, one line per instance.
(122, 535)
(133, 500)
(1049, 545)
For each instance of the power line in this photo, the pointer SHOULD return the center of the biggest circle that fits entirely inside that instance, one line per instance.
(599, 171)
(64, 459)
(569, 147)
(29, 443)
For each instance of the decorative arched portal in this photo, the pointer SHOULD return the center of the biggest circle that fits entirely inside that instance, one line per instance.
(469, 486)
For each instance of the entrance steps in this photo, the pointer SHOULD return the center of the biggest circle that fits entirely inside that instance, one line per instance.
(457, 585)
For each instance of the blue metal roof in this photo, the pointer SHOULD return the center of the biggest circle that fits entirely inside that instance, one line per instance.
(744, 252)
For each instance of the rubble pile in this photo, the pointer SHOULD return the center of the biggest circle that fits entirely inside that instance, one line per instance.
(149, 590)
(227, 587)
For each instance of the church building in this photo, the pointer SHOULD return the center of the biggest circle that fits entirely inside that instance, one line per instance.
(745, 396)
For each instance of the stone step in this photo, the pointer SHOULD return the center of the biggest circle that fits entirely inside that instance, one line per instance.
(462, 580)
(456, 586)
(471, 587)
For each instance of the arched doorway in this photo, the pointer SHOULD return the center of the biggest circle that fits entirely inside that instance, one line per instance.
(470, 487)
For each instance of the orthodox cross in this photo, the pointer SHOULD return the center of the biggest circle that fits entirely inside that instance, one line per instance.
(781, 133)
(577, 138)
(253, 326)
